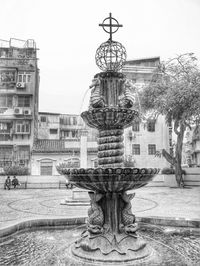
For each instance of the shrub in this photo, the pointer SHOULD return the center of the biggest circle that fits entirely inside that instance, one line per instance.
(129, 161)
(170, 171)
(16, 170)
(167, 171)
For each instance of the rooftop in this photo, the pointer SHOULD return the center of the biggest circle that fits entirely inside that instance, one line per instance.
(49, 146)
(18, 43)
(56, 146)
(148, 61)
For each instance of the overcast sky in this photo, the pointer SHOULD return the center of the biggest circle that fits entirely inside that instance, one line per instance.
(67, 34)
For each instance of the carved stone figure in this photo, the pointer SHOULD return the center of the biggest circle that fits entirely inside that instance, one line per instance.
(96, 100)
(95, 214)
(127, 98)
(128, 218)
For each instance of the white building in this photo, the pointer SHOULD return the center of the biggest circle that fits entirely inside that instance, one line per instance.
(143, 140)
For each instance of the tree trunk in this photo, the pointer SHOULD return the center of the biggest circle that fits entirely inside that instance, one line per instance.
(178, 154)
(177, 159)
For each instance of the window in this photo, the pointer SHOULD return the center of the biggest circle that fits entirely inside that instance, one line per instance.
(74, 133)
(23, 101)
(43, 119)
(53, 130)
(136, 126)
(136, 149)
(74, 121)
(151, 149)
(66, 120)
(3, 126)
(24, 77)
(4, 137)
(69, 134)
(6, 156)
(151, 126)
(6, 101)
(22, 127)
(46, 167)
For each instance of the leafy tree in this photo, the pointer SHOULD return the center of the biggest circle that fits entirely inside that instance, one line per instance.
(175, 93)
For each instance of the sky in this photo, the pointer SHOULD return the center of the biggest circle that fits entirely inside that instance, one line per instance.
(67, 35)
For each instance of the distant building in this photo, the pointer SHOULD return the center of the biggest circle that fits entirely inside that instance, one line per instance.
(48, 125)
(191, 146)
(143, 140)
(61, 139)
(19, 86)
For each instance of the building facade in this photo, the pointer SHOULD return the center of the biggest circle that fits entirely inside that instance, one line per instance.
(19, 86)
(191, 146)
(62, 138)
(144, 139)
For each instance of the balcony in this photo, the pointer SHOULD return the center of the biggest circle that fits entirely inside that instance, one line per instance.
(5, 137)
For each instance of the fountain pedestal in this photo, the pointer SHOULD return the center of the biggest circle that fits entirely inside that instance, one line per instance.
(111, 231)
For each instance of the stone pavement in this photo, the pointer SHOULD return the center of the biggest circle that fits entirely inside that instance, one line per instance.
(22, 204)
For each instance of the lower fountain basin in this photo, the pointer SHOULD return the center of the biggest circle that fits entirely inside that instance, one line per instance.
(52, 247)
(105, 180)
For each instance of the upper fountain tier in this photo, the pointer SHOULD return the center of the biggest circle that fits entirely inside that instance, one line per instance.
(112, 102)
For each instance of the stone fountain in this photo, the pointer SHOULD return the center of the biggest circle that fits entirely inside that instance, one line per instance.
(111, 236)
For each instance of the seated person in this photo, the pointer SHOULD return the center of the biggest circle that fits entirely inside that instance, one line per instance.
(15, 182)
(7, 183)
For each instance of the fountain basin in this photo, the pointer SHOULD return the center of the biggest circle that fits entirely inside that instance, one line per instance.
(105, 180)
(50, 247)
(112, 117)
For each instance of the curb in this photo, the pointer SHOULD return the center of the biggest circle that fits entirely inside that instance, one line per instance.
(185, 225)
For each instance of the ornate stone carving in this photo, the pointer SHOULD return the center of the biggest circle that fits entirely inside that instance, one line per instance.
(127, 98)
(95, 214)
(127, 217)
(96, 99)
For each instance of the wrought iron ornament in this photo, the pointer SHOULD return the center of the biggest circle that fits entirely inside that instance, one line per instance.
(110, 25)
(111, 55)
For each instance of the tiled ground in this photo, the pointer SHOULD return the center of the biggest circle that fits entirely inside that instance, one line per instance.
(19, 204)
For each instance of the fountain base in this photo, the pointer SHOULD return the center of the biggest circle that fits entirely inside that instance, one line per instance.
(111, 249)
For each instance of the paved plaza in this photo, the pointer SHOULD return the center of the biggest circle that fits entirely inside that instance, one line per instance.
(22, 204)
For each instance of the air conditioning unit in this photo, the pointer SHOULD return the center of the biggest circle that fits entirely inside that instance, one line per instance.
(27, 111)
(18, 111)
(21, 85)
(22, 162)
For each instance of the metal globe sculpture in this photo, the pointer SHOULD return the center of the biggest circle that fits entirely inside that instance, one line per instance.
(110, 56)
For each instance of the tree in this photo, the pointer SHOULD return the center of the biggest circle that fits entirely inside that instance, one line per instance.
(175, 93)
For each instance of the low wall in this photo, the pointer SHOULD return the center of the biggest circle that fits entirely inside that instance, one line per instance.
(192, 178)
(35, 181)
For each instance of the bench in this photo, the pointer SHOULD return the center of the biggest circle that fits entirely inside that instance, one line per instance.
(64, 185)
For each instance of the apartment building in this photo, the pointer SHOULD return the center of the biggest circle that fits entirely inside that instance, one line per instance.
(19, 86)
(62, 138)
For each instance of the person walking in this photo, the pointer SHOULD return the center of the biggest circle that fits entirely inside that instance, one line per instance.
(7, 183)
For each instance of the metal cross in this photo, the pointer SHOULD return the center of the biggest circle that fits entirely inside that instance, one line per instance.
(110, 25)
